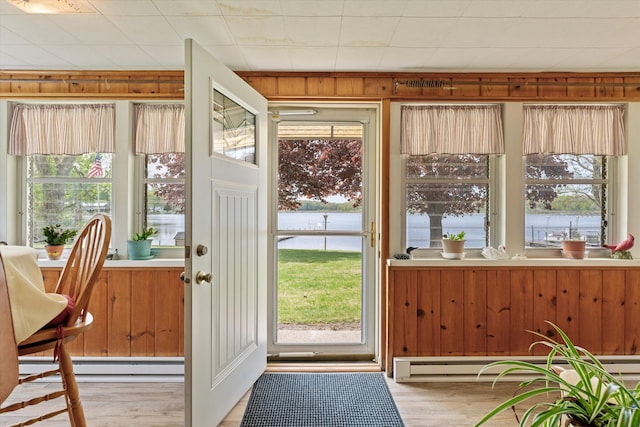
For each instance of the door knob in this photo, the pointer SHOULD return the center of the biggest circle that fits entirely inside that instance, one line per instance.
(203, 277)
(183, 278)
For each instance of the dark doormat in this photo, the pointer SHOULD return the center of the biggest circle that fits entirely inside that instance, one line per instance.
(321, 400)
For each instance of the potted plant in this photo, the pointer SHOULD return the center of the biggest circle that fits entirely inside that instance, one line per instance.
(56, 238)
(139, 247)
(453, 245)
(574, 246)
(584, 395)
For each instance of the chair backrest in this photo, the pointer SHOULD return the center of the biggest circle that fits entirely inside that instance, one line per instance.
(81, 271)
(8, 348)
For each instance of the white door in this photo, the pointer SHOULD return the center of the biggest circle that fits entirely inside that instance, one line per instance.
(226, 226)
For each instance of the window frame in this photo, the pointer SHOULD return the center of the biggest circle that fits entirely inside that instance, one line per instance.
(493, 186)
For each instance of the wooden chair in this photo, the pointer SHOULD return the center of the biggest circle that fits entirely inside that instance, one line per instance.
(8, 347)
(77, 280)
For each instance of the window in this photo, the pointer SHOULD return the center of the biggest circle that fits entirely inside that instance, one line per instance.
(66, 190)
(566, 197)
(164, 197)
(159, 140)
(446, 194)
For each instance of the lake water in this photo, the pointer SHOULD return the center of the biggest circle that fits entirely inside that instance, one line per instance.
(538, 226)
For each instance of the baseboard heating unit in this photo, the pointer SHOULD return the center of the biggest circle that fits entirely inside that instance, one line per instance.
(112, 369)
(466, 369)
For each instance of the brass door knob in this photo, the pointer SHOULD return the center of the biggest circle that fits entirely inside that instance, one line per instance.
(203, 277)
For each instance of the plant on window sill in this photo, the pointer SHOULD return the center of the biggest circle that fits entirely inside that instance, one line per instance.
(55, 238)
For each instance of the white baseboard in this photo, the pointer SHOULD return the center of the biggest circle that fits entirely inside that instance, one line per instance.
(113, 369)
(466, 369)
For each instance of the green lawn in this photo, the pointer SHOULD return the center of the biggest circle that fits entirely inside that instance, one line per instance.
(318, 287)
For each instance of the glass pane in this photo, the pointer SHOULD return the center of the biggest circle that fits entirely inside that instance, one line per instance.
(83, 166)
(435, 209)
(569, 211)
(165, 200)
(448, 167)
(564, 166)
(561, 202)
(234, 129)
(321, 220)
(68, 204)
(319, 292)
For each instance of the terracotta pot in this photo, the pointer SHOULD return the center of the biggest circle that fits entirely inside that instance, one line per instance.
(574, 249)
(54, 251)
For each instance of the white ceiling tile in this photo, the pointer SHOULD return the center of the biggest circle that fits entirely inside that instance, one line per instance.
(313, 58)
(83, 56)
(188, 7)
(268, 57)
(326, 31)
(437, 8)
(38, 29)
(312, 8)
(358, 58)
(94, 29)
(204, 29)
(363, 8)
(231, 56)
(250, 7)
(368, 31)
(125, 7)
(257, 30)
(421, 32)
(147, 30)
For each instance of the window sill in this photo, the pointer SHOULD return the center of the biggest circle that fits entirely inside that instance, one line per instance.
(529, 262)
(122, 263)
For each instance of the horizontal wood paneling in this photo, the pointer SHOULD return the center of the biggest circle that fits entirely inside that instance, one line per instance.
(331, 86)
(137, 312)
(444, 311)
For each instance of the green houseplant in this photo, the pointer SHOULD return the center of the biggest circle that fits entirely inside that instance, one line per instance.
(139, 247)
(56, 238)
(589, 397)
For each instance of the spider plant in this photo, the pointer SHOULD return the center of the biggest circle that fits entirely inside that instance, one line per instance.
(595, 399)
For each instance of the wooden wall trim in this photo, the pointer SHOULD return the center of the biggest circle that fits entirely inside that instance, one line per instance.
(95, 84)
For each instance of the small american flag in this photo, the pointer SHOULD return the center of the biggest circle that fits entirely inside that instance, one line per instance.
(96, 167)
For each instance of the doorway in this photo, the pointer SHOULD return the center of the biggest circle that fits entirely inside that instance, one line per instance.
(324, 246)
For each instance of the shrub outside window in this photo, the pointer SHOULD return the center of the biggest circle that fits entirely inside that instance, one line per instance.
(164, 190)
(66, 190)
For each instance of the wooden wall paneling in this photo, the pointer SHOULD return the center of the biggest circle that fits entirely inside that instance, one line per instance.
(168, 297)
(475, 312)
(180, 286)
(613, 309)
(590, 317)
(167, 85)
(580, 87)
(552, 87)
(493, 91)
(291, 86)
(321, 86)
(632, 87)
(403, 337)
(567, 316)
(452, 312)
(89, 86)
(96, 338)
(632, 310)
(498, 312)
(523, 87)
(267, 86)
(50, 278)
(378, 87)
(350, 87)
(143, 312)
(521, 311)
(428, 312)
(611, 87)
(469, 87)
(113, 84)
(57, 86)
(544, 306)
(119, 316)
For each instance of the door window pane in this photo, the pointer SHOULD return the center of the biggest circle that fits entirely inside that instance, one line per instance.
(164, 201)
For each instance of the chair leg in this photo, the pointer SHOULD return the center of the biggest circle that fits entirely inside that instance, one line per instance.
(76, 413)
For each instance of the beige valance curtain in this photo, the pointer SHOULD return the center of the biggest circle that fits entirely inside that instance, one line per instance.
(62, 129)
(574, 129)
(159, 128)
(451, 129)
